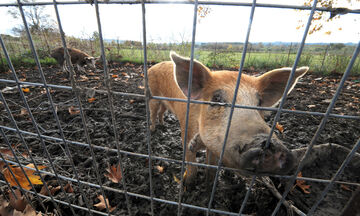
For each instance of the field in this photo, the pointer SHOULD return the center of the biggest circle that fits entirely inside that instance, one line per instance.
(322, 59)
(254, 61)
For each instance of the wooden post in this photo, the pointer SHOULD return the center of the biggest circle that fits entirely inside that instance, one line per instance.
(325, 53)
(288, 58)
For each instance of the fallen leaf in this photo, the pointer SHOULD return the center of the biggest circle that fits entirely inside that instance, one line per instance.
(96, 78)
(301, 184)
(101, 205)
(19, 175)
(345, 187)
(68, 188)
(124, 74)
(4, 210)
(2, 165)
(6, 152)
(114, 173)
(83, 78)
(52, 190)
(29, 211)
(26, 90)
(279, 127)
(18, 203)
(176, 179)
(91, 99)
(23, 112)
(141, 87)
(160, 169)
(311, 106)
(73, 110)
(131, 101)
(142, 75)
(115, 76)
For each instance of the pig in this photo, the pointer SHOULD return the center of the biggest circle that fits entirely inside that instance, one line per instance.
(78, 57)
(207, 123)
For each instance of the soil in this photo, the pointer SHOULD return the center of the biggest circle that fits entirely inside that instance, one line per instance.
(312, 93)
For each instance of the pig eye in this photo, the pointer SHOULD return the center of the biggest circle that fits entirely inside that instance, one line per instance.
(218, 97)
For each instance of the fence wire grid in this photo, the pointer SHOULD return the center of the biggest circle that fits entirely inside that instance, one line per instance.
(76, 90)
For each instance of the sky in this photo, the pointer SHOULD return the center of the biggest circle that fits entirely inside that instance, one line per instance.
(173, 23)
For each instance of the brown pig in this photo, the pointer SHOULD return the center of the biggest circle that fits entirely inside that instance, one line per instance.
(248, 131)
(78, 57)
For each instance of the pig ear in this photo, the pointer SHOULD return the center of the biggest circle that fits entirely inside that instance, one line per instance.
(271, 85)
(200, 75)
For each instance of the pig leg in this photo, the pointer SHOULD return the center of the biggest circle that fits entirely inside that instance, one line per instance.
(161, 113)
(154, 106)
(196, 144)
(80, 68)
(211, 159)
(190, 157)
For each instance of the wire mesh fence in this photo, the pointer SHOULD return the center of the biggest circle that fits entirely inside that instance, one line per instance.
(96, 183)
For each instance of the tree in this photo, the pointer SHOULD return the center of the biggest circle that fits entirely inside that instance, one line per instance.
(39, 22)
(36, 18)
(321, 19)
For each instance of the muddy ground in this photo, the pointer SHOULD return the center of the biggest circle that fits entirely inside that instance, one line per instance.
(312, 93)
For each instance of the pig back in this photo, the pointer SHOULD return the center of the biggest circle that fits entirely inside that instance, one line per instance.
(162, 83)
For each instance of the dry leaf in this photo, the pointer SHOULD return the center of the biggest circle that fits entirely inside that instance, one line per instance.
(160, 169)
(91, 99)
(21, 177)
(19, 203)
(83, 78)
(52, 190)
(176, 179)
(68, 188)
(115, 76)
(73, 110)
(29, 211)
(345, 187)
(301, 184)
(6, 152)
(141, 87)
(279, 127)
(311, 106)
(23, 112)
(131, 101)
(114, 173)
(124, 74)
(26, 90)
(4, 210)
(142, 75)
(96, 78)
(2, 165)
(101, 205)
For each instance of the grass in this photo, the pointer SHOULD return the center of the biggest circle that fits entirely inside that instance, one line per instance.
(253, 61)
(222, 59)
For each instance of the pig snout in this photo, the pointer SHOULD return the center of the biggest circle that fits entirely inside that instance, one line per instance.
(275, 159)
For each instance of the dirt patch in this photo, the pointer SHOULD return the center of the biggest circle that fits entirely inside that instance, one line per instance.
(312, 93)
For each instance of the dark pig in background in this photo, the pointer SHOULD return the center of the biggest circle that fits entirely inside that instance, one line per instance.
(78, 57)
